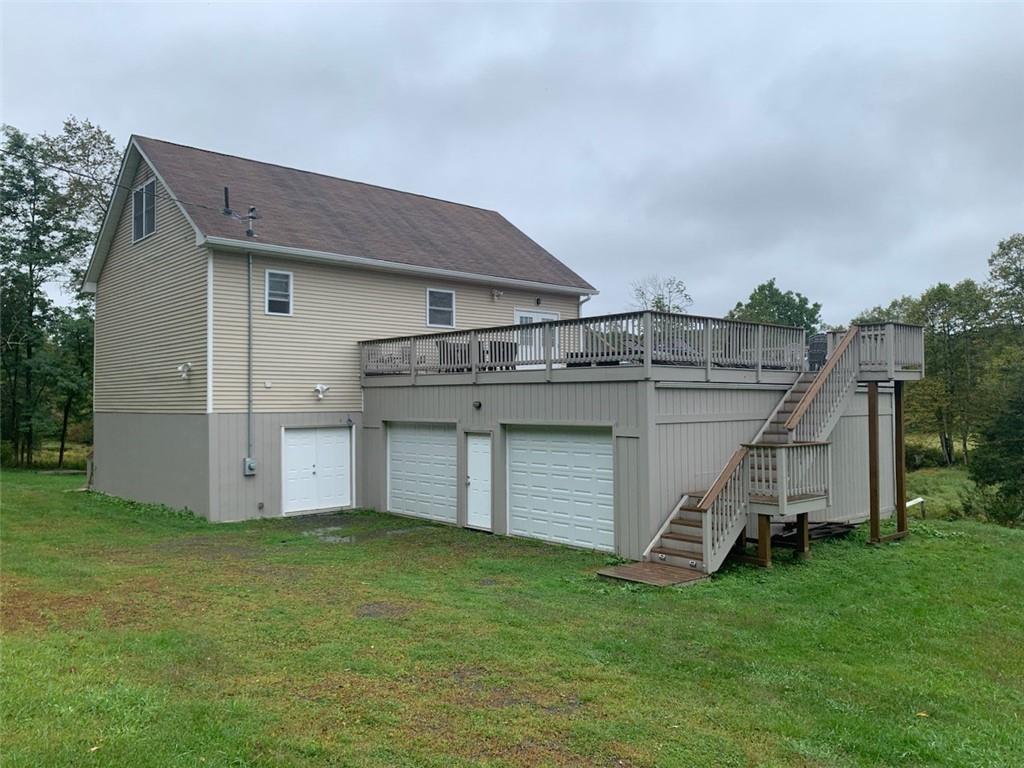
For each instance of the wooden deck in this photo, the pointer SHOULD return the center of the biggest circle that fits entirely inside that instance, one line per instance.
(655, 574)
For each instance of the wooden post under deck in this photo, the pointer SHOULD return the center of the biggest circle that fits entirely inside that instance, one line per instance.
(764, 540)
(803, 536)
(901, 461)
(875, 534)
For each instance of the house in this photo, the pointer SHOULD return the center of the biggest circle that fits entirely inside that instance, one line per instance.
(360, 346)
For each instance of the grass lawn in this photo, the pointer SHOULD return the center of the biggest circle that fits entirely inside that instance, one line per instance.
(135, 636)
(941, 487)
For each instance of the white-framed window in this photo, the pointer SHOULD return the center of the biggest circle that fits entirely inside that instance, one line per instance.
(144, 210)
(278, 288)
(440, 308)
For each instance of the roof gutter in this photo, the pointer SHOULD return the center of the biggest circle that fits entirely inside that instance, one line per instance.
(244, 246)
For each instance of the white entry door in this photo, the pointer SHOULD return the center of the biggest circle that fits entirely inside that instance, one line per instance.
(317, 469)
(531, 336)
(560, 486)
(478, 481)
(422, 471)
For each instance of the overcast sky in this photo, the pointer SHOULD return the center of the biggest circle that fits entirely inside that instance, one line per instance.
(857, 153)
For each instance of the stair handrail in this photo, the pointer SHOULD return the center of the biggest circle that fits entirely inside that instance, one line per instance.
(722, 523)
(823, 375)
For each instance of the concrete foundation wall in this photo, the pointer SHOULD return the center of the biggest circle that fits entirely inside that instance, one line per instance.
(161, 458)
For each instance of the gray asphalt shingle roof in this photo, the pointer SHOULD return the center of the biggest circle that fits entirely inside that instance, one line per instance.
(302, 209)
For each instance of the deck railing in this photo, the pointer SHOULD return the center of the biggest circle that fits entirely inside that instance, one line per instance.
(891, 348)
(789, 470)
(634, 338)
(817, 407)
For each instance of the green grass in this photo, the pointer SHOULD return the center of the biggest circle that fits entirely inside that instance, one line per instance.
(133, 636)
(942, 488)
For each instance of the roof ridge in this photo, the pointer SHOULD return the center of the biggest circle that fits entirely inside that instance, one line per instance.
(317, 173)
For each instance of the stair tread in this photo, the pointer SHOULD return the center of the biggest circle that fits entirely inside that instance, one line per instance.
(689, 509)
(688, 523)
(678, 553)
(682, 537)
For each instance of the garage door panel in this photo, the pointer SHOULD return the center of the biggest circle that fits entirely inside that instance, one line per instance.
(560, 486)
(422, 470)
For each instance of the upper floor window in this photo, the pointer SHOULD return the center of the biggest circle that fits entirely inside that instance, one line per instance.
(144, 210)
(279, 292)
(440, 308)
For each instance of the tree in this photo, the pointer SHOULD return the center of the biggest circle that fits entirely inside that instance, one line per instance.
(661, 294)
(1006, 272)
(956, 323)
(905, 309)
(50, 192)
(769, 304)
(85, 160)
(72, 336)
(999, 458)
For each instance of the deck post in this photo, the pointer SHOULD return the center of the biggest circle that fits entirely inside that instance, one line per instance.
(875, 509)
(412, 359)
(764, 541)
(648, 343)
(363, 357)
(547, 350)
(474, 354)
(707, 349)
(901, 460)
(803, 536)
(760, 350)
(782, 477)
(890, 350)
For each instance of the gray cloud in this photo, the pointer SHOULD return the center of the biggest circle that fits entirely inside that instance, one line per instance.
(856, 152)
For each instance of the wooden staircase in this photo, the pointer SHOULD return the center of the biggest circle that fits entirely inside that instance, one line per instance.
(682, 544)
(775, 474)
(786, 468)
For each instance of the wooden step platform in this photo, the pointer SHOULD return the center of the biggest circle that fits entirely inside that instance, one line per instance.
(655, 574)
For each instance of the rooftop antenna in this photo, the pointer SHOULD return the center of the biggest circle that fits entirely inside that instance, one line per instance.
(251, 217)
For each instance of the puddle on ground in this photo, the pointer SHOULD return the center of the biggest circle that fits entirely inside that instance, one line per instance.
(336, 534)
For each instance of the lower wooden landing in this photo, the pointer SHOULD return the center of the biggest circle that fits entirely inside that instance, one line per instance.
(655, 574)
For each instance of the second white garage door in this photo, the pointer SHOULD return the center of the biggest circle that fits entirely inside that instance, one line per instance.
(421, 470)
(560, 486)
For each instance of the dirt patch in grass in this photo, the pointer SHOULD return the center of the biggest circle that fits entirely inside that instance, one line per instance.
(138, 604)
(23, 608)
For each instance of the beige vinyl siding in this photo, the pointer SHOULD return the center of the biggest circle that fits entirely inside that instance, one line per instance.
(151, 315)
(334, 307)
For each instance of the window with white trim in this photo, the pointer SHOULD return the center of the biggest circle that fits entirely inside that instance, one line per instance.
(144, 211)
(440, 308)
(278, 292)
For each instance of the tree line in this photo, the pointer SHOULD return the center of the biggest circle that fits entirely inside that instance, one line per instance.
(54, 191)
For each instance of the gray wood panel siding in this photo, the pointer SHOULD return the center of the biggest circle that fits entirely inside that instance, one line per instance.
(696, 430)
(234, 496)
(159, 458)
(850, 461)
(334, 307)
(618, 405)
(151, 315)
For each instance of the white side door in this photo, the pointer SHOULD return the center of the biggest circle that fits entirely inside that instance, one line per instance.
(333, 467)
(299, 470)
(478, 481)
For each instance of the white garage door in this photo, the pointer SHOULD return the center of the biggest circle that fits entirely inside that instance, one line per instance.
(560, 486)
(421, 470)
(317, 469)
